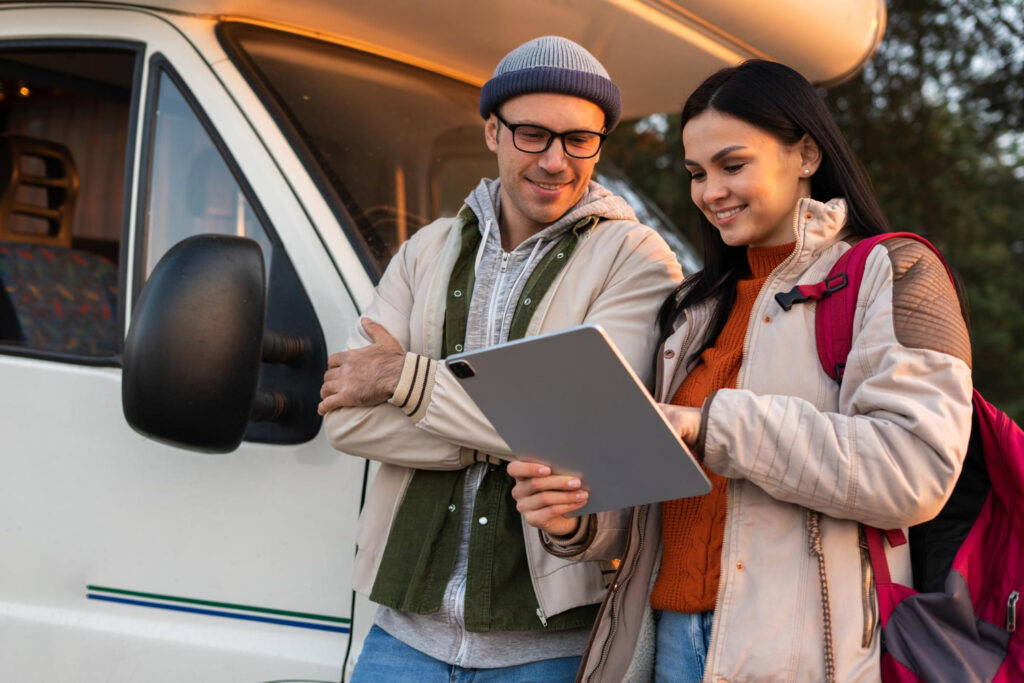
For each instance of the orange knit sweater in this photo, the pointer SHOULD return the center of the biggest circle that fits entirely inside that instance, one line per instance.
(693, 529)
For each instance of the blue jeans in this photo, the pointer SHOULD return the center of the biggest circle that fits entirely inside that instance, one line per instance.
(385, 658)
(682, 646)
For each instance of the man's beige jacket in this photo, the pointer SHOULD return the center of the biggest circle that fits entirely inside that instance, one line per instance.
(617, 277)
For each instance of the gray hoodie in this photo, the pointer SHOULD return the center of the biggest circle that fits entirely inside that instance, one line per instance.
(501, 275)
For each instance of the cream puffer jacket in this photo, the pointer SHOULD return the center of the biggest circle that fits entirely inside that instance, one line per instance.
(884, 449)
(617, 277)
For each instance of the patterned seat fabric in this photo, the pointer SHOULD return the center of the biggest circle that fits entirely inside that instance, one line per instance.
(64, 300)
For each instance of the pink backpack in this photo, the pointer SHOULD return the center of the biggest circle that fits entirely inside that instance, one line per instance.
(968, 562)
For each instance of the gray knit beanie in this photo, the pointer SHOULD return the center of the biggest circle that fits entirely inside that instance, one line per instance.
(552, 64)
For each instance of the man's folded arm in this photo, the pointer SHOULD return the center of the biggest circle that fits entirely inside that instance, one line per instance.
(385, 432)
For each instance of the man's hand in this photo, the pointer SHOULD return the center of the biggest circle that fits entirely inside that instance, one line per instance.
(685, 420)
(544, 499)
(363, 377)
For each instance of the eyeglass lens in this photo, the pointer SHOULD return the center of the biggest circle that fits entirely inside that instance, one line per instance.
(579, 144)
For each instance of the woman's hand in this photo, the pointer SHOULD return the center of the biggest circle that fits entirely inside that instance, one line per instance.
(545, 499)
(685, 420)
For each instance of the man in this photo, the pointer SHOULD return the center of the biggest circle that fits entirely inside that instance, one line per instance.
(465, 588)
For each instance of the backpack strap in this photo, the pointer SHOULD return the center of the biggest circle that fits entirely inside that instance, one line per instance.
(837, 300)
(889, 594)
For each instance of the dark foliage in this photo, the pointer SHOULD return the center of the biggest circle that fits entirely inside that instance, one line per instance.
(937, 117)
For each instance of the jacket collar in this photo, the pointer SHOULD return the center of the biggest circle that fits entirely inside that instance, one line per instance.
(816, 225)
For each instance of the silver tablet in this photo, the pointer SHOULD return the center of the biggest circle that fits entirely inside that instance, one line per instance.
(569, 399)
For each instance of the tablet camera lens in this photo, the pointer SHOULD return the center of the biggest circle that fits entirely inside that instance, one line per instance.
(462, 369)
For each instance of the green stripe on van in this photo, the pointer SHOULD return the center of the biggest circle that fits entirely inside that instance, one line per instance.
(212, 603)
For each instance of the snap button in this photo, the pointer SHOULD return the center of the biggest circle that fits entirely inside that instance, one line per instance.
(767, 319)
(739, 566)
(457, 293)
(670, 353)
(559, 255)
(526, 301)
(482, 520)
(809, 216)
(451, 508)
(458, 347)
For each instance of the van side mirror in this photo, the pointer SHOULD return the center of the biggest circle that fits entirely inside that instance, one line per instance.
(192, 355)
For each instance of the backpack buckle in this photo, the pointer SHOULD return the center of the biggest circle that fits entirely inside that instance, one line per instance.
(834, 284)
(821, 290)
(793, 296)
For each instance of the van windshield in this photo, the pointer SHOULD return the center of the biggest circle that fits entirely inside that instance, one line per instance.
(392, 146)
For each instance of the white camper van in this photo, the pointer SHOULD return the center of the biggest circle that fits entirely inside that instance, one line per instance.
(168, 507)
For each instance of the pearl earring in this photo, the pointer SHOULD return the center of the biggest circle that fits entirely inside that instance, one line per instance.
(807, 171)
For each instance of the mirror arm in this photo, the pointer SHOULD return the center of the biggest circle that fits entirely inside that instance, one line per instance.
(268, 406)
(284, 347)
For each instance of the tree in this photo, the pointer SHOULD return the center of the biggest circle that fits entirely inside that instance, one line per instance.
(937, 116)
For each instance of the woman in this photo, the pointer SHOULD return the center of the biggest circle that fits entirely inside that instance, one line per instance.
(765, 578)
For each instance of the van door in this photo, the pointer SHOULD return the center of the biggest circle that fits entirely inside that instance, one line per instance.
(125, 559)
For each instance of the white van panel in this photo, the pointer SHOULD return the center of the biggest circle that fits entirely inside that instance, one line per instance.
(128, 560)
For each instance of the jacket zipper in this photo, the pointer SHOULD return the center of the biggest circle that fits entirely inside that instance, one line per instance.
(605, 605)
(614, 593)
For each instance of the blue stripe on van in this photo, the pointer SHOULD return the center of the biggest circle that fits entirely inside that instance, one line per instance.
(218, 613)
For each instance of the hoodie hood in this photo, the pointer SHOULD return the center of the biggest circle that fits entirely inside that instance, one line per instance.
(485, 202)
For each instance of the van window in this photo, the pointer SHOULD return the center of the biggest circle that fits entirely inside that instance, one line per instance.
(393, 146)
(64, 129)
(191, 189)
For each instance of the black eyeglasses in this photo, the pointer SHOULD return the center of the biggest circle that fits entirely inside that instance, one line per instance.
(533, 139)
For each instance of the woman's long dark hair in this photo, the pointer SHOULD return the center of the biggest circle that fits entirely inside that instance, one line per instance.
(779, 101)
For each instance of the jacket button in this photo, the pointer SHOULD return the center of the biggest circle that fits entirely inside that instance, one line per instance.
(739, 566)
(451, 508)
(767, 319)
(670, 353)
(809, 216)
(482, 520)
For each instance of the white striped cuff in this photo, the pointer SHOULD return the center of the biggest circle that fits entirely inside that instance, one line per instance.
(412, 395)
